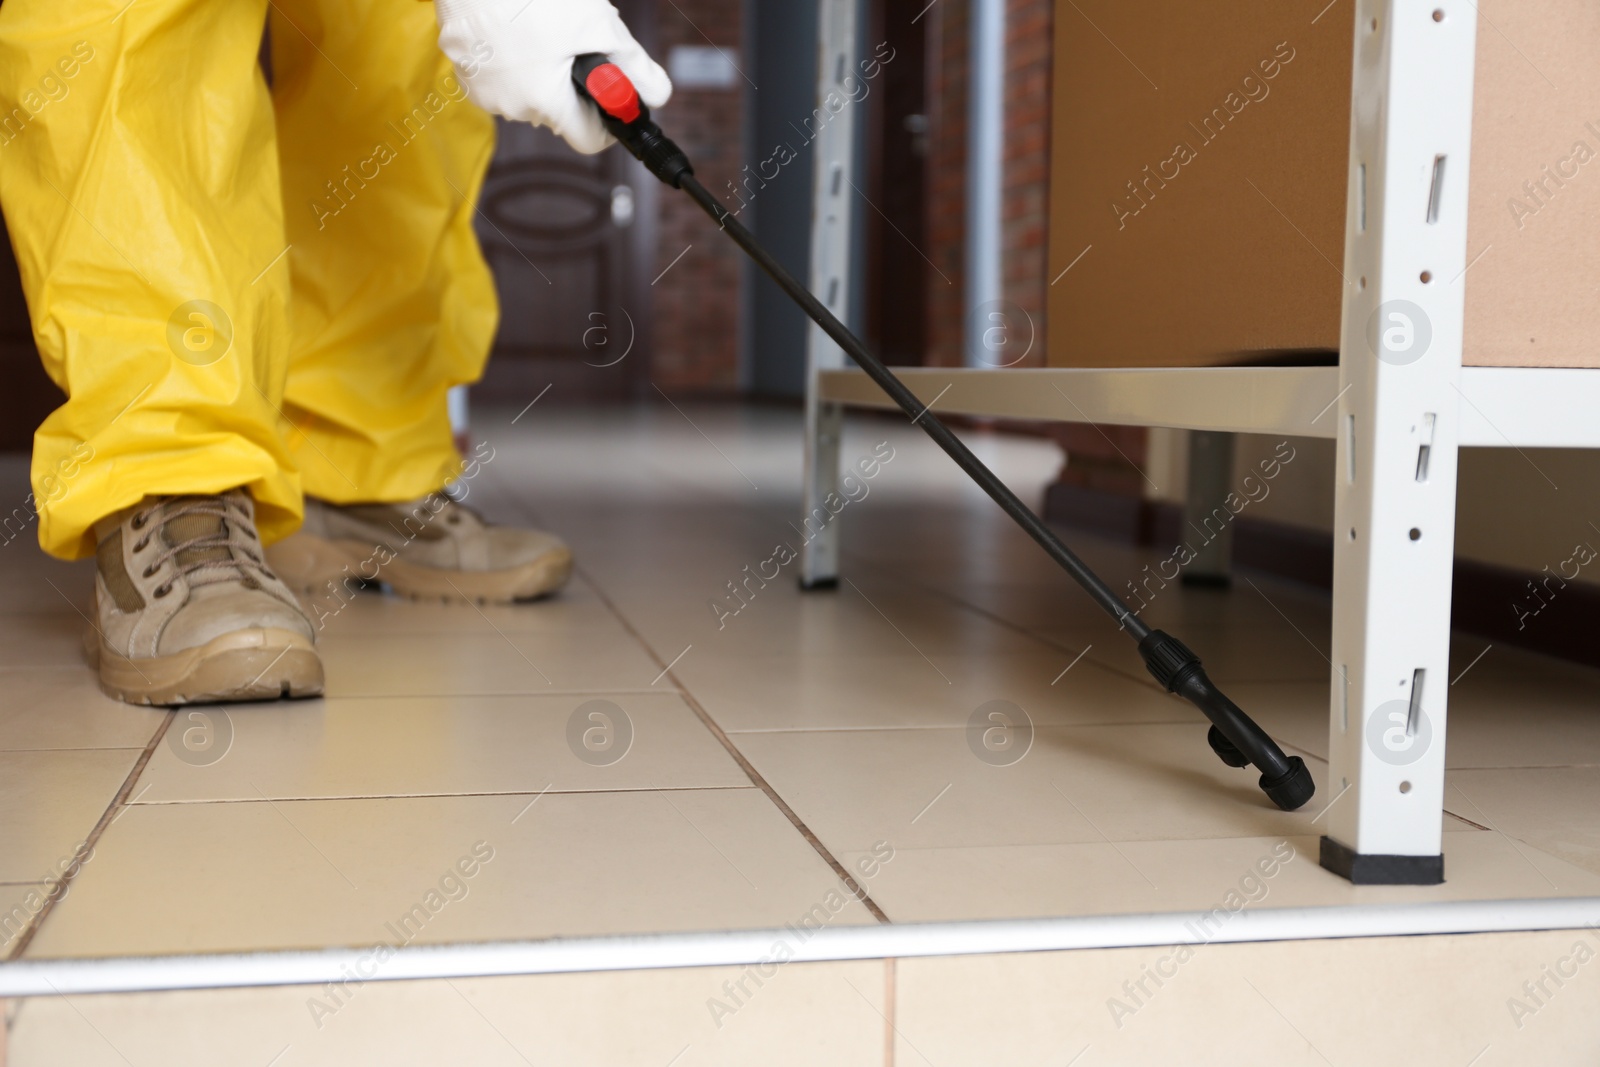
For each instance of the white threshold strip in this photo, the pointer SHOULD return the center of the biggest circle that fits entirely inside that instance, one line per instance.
(49, 977)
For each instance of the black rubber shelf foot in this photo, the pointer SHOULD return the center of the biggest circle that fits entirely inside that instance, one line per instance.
(1364, 868)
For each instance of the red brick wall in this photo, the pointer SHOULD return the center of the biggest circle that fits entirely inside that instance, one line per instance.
(1026, 203)
(697, 301)
(947, 178)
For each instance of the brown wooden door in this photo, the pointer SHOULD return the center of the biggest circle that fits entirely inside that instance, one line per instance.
(561, 233)
(897, 282)
(568, 238)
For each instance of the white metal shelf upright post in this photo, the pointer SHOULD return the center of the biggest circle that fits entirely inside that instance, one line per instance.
(833, 216)
(1398, 431)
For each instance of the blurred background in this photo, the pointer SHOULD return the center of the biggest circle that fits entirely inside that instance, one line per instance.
(745, 75)
(613, 288)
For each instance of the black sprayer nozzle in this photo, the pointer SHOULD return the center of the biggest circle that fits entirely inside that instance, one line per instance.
(1233, 736)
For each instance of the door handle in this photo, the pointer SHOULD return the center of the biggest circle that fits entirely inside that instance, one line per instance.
(622, 206)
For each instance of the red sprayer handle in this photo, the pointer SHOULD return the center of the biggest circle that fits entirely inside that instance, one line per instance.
(603, 84)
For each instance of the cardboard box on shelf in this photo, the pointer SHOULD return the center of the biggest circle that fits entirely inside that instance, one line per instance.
(1199, 175)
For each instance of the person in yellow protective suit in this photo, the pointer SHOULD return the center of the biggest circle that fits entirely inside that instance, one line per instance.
(256, 301)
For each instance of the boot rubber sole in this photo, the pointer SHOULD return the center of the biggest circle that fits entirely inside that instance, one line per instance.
(313, 566)
(246, 665)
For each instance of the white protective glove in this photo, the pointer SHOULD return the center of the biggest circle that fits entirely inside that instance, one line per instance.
(514, 58)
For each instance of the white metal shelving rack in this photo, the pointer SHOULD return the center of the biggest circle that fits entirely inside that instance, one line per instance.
(1399, 415)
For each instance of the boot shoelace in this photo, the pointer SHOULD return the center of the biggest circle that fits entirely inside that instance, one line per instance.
(451, 511)
(227, 567)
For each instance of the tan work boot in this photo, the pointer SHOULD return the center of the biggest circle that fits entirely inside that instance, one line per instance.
(431, 548)
(186, 611)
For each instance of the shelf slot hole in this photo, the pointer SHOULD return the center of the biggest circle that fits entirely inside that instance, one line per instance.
(1350, 449)
(1361, 197)
(1413, 716)
(1425, 450)
(1344, 699)
(1437, 189)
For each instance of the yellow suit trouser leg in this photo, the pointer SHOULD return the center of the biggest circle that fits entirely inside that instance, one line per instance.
(383, 157)
(139, 178)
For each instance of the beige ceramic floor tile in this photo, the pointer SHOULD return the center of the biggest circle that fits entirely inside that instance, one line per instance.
(925, 788)
(42, 640)
(216, 877)
(602, 658)
(1296, 713)
(780, 620)
(1100, 878)
(371, 614)
(49, 801)
(1048, 599)
(33, 584)
(62, 707)
(19, 904)
(1231, 655)
(907, 689)
(683, 549)
(1384, 1002)
(424, 746)
(1516, 709)
(1268, 630)
(803, 1014)
(1555, 809)
(1511, 709)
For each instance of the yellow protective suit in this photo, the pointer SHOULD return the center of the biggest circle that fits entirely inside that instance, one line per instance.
(237, 286)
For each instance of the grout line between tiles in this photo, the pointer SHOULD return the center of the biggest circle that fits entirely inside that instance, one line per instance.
(889, 1004)
(439, 796)
(106, 819)
(1000, 620)
(1469, 822)
(613, 691)
(1142, 679)
(749, 769)
(1106, 841)
(72, 748)
(956, 598)
(957, 726)
(1306, 752)
(1527, 767)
